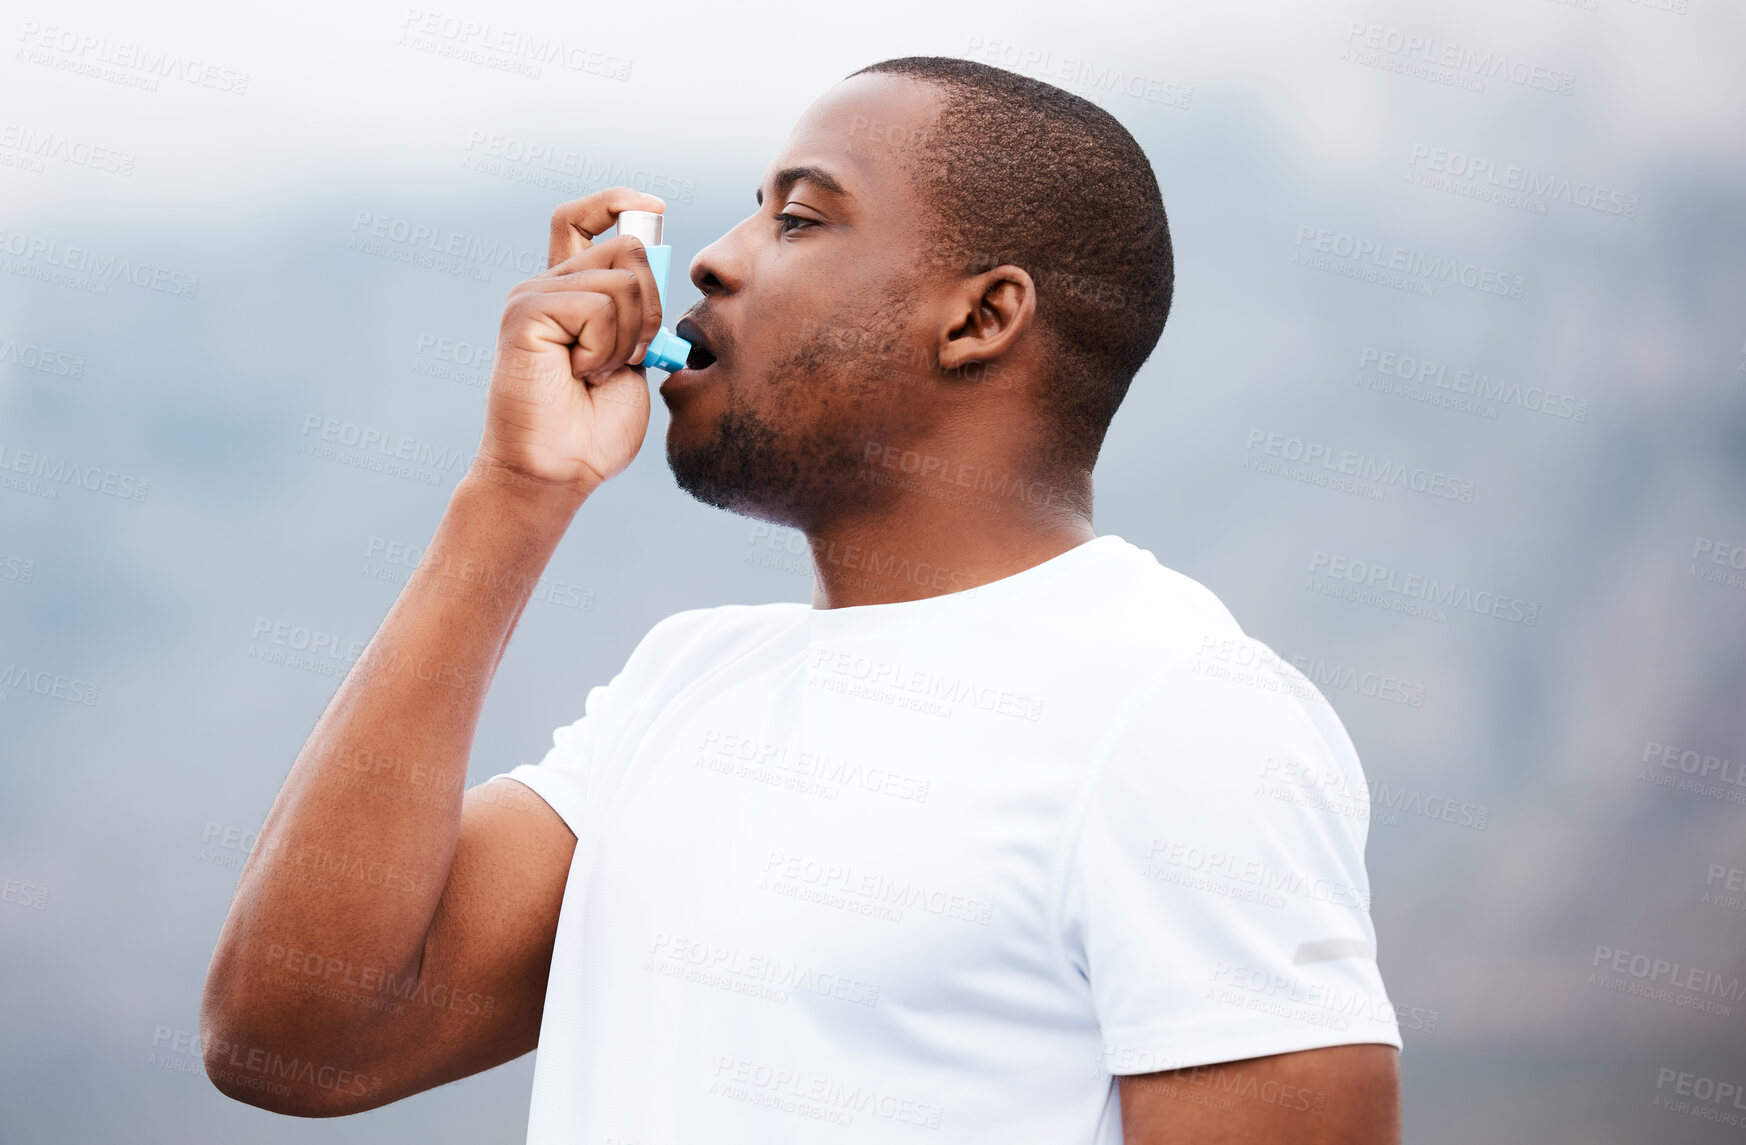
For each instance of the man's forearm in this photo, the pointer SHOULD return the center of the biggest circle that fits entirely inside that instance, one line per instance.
(355, 853)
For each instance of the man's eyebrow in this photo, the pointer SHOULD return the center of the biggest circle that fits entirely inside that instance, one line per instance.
(788, 176)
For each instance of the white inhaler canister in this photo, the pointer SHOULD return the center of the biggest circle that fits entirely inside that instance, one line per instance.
(666, 351)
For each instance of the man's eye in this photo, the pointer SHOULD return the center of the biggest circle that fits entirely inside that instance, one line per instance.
(787, 223)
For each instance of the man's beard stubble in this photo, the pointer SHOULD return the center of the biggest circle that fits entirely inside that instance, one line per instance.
(789, 473)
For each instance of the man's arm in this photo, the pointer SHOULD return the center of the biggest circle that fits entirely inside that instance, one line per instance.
(389, 934)
(1342, 1095)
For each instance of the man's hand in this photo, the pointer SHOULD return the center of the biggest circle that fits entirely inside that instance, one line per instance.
(564, 409)
(1342, 1095)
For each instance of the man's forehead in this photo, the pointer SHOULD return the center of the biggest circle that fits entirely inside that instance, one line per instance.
(855, 139)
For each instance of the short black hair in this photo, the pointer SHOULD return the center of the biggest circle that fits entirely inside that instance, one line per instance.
(1020, 172)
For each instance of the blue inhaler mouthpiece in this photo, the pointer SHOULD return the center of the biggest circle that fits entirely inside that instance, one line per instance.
(667, 351)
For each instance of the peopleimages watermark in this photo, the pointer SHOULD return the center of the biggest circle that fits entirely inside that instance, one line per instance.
(786, 549)
(840, 669)
(1346, 470)
(58, 363)
(1126, 1058)
(436, 247)
(1398, 267)
(327, 654)
(1663, 980)
(1244, 660)
(1511, 185)
(1717, 562)
(1413, 594)
(1664, 765)
(1445, 62)
(1337, 792)
(1706, 1090)
(751, 973)
(225, 846)
(41, 682)
(1313, 1003)
(870, 893)
(320, 868)
(1694, 763)
(958, 481)
(253, 1067)
(555, 166)
(29, 149)
(369, 987)
(1252, 664)
(504, 49)
(122, 62)
(179, 1051)
(368, 447)
(82, 268)
(395, 562)
(1070, 73)
(1461, 390)
(789, 551)
(304, 648)
(1214, 1086)
(1244, 877)
(43, 475)
(19, 570)
(1731, 894)
(453, 360)
(802, 1093)
(369, 772)
(889, 348)
(1328, 676)
(1052, 282)
(807, 772)
(28, 895)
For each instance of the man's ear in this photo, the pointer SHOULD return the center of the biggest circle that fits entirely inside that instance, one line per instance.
(987, 316)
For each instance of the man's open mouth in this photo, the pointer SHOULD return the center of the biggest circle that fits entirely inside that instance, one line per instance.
(701, 357)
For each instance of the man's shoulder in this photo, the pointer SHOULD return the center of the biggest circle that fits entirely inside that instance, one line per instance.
(1189, 668)
(1139, 602)
(705, 633)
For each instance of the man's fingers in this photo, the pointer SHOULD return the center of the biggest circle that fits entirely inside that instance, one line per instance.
(645, 322)
(620, 254)
(583, 323)
(574, 224)
(627, 289)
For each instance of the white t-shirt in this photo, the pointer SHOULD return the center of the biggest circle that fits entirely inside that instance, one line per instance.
(934, 871)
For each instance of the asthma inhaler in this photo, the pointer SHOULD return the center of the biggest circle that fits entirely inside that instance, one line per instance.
(667, 351)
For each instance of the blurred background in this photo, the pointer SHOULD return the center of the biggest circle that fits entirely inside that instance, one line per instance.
(1495, 251)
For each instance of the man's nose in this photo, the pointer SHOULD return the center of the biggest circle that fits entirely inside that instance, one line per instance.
(720, 267)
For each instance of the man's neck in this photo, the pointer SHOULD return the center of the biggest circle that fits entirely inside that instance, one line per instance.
(928, 545)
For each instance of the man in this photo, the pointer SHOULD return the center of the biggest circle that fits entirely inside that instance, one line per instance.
(1013, 835)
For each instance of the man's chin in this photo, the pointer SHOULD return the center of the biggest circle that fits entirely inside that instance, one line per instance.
(729, 467)
(701, 485)
(787, 471)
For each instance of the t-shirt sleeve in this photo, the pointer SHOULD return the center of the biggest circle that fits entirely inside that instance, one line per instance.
(566, 775)
(1216, 900)
(562, 777)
